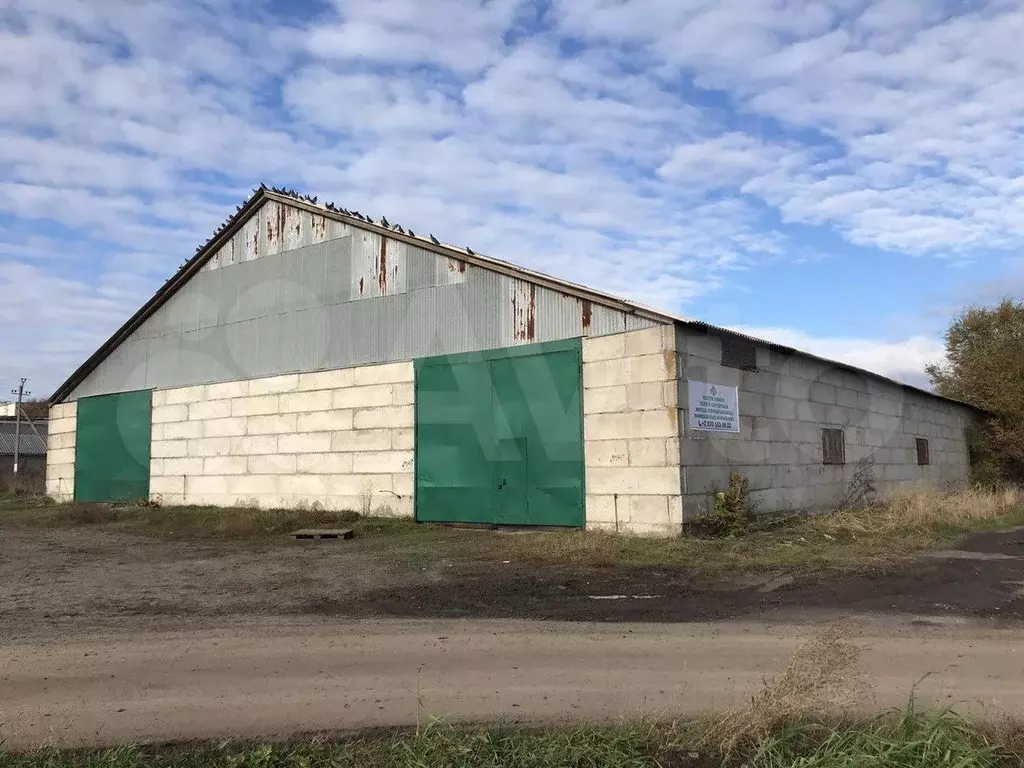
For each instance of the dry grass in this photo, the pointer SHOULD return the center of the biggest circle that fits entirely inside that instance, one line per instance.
(824, 675)
(897, 527)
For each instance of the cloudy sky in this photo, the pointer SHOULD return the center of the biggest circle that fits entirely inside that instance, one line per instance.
(839, 175)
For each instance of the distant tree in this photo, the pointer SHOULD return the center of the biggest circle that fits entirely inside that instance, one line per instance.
(985, 367)
(35, 409)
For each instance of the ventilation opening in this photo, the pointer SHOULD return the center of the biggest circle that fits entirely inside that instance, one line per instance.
(738, 352)
(833, 446)
(922, 452)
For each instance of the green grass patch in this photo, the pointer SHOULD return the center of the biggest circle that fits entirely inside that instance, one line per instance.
(905, 739)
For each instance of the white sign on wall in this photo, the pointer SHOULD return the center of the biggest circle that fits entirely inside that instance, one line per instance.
(714, 407)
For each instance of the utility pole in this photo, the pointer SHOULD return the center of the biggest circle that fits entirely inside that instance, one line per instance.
(20, 392)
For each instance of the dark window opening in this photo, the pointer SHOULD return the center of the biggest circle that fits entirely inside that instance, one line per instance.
(738, 352)
(833, 446)
(922, 452)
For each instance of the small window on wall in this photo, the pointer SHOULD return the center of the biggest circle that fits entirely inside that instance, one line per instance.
(833, 446)
(738, 352)
(922, 452)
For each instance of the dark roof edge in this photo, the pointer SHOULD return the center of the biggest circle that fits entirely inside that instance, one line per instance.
(708, 328)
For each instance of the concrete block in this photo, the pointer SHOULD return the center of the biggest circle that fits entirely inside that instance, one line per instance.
(596, 348)
(382, 461)
(607, 426)
(746, 452)
(158, 397)
(363, 397)
(306, 401)
(63, 425)
(648, 452)
(751, 404)
(181, 430)
(63, 411)
(404, 484)
(60, 455)
(650, 341)
(675, 510)
(273, 464)
(660, 367)
(837, 416)
(606, 453)
(762, 382)
(604, 399)
(847, 398)
(758, 476)
(248, 490)
(651, 530)
(603, 526)
(794, 388)
(227, 390)
(209, 446)
(164, 486)
(225, 465)
(672, 454)
(647, 396)
(224, 427)
(396, 416)
(303, 485)
(367, 488)
(403, 439)
(672, 393)
(362, 440)
(181, 396)
(255, 406)
(823, 393)
(704, 345)
(280, 424)
(404, 394)
(324, 421)
(312, 442)
(606, 373)
(204, 485)
(704, 451)
(253, 445)
(776, 407)
(652, 510)
(702, 480)
(885, 424)
(321, 380)
(209, 409)
(633, 480)
(600, 509)
(389, 373)
(180, 466)
(274, 385)
(783, 453)
(168, 449)
(166, 413)
(62, 440)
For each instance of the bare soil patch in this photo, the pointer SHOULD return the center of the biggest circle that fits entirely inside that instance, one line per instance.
(116, 573)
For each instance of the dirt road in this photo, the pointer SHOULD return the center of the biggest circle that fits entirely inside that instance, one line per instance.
(262, 680)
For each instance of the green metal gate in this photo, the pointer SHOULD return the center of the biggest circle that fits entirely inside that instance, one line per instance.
(112, 447)
(499, 436)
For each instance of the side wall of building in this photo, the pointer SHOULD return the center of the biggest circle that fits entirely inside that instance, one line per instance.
(339, 439)
(60, 452)
(785, 404)
(631, 432)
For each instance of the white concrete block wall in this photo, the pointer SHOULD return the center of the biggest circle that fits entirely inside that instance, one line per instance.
(60, 452)
(340, 439)
(631, 432)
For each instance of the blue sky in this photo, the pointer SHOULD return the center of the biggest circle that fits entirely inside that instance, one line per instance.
(839, 175)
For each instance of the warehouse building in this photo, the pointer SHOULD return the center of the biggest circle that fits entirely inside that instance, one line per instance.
(308, 355)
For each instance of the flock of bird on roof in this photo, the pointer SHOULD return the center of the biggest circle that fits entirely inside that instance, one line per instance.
(330, 207)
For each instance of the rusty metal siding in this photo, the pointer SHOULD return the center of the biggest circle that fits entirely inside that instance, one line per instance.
(296, 310)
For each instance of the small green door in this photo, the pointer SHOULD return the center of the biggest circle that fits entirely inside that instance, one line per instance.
(112, 447)
(499, 436)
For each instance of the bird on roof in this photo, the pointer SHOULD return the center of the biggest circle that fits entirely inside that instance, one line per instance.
(434, 240)
(399, 228)
(470, 251)
(313, 199)
(384, 221)
(411, 233)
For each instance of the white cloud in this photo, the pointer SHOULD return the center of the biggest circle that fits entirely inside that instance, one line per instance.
(902, 359)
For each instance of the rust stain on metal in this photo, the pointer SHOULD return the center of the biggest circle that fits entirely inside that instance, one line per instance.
(282, 214)
(524, 314)
(382, 266)
(588, 312)
(270, 231)
(320, 226)
(360, 286)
